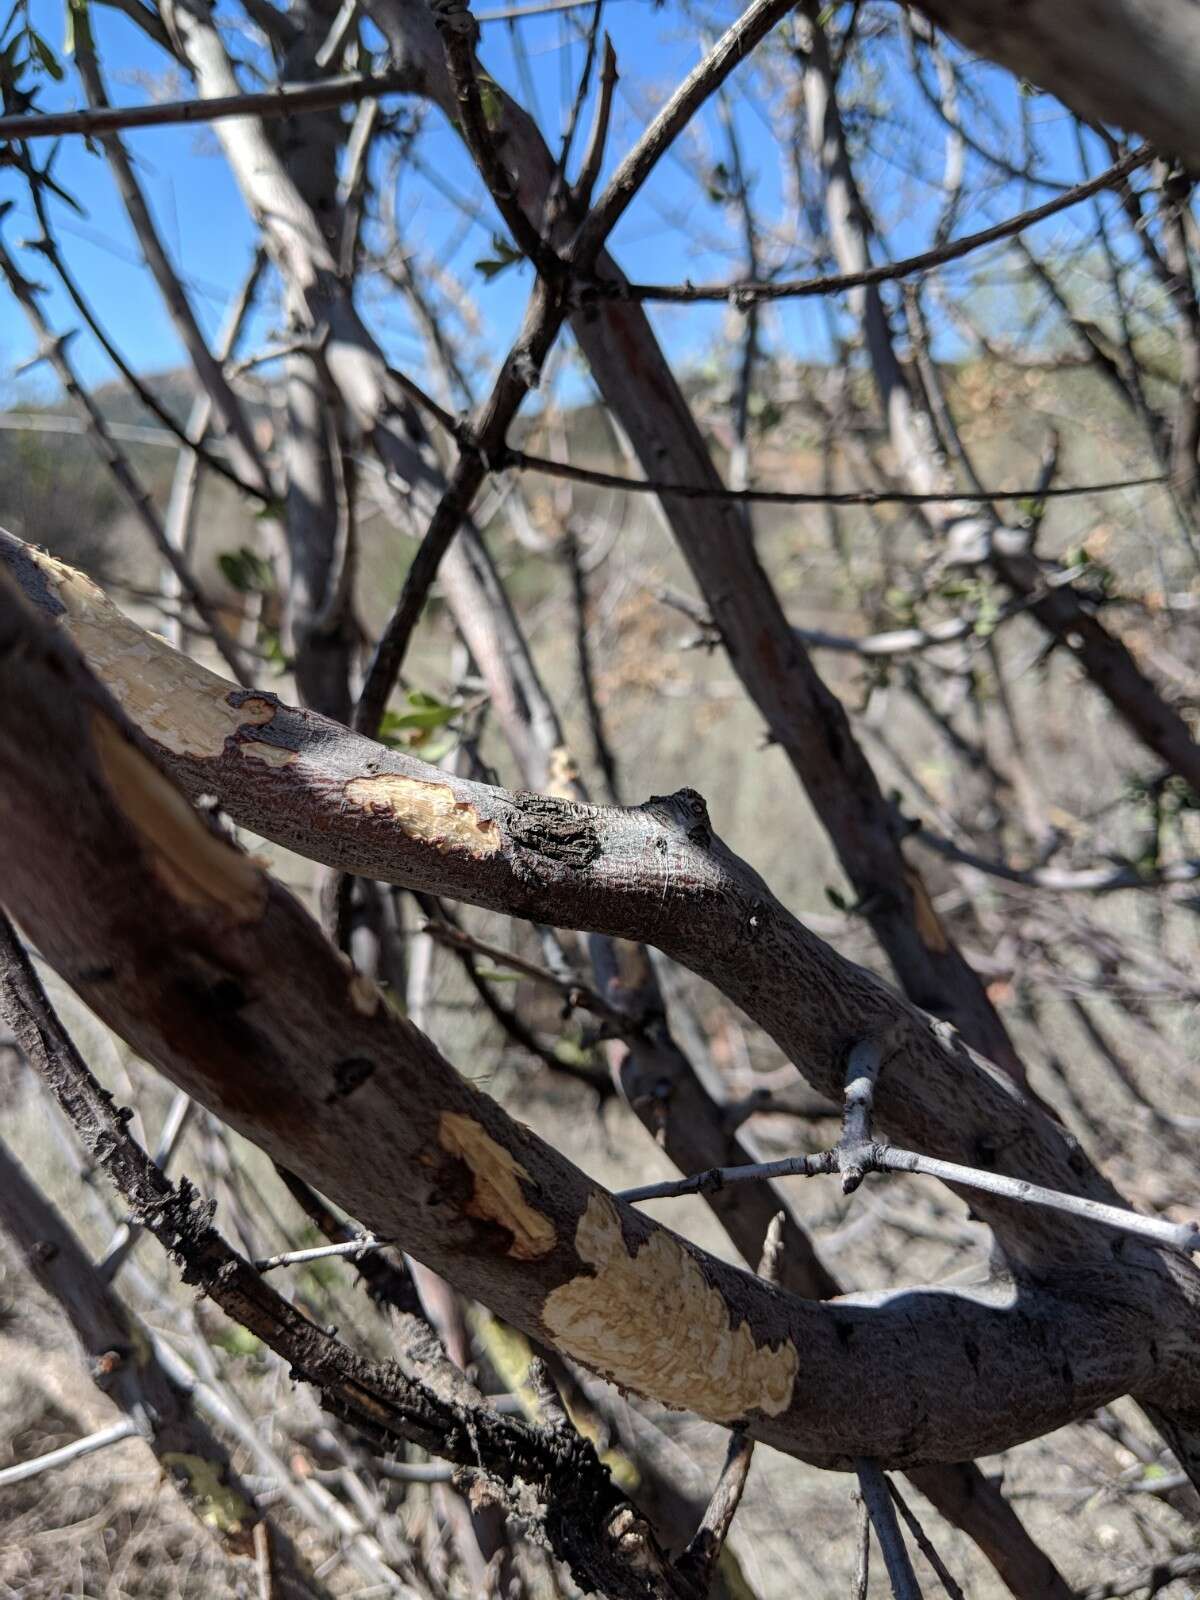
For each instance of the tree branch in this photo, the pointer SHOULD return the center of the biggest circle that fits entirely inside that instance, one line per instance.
(215, 974)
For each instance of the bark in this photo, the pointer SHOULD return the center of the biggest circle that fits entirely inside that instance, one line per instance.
(1132, 62)
(318, 516)
(217, 975)
(656, 1077)
(802, 715)
(1102, 656)
(424, 1400)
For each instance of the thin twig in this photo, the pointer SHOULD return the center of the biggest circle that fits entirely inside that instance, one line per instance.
(457, 28)
(127, 1233)
(878, 1501)
(734, 45)
(523, 461)
(699, 1561)
(483, 444)
(593, 155)
(862, 1575)
(545, 9)
(1107, 879)
(572, 990)
(1181, 1236)
(581, 89)
(746, 293)
(298, 1258)
(47, 246)
(286, 100)
(127, 1428)
(923, 1543)
(263, 1567)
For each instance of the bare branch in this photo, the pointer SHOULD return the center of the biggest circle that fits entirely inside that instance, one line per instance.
(327, 1057)
(745, 293)
(378, 1400)
(878, 1501)
(285, 100)
(115, 1433)
(730, 50)
(457, 28)
(1181, 1236)
(353, 1248)
(923, 1544)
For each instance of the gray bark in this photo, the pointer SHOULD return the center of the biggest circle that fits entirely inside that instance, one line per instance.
(217, 976)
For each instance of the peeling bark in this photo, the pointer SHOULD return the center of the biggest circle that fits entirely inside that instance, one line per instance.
(237, 997)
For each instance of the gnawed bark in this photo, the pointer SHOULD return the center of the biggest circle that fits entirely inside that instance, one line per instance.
(216, 975)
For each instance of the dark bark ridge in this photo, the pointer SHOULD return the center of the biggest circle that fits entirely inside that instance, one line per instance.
(218, 976)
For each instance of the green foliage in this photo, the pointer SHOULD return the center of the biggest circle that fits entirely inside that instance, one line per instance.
(25, 56)
(413, 729)
(238, 1341)
(504, 256)
(246, 571)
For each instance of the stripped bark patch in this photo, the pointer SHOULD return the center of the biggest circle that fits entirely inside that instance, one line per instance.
(649, 1320)
(274, 755)
(365, 994)
(197, 866)
(929, 927)
(427, 811)
(496, 1195)
(181, 706)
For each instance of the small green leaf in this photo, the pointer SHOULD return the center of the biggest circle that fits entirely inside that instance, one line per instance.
(45, 55)
(271, 644)
(246, 571)
(428, 717)
(504, 256)
(411, 729)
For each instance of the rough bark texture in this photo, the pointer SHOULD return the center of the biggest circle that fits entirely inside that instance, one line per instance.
(218, 976)
(803, 717)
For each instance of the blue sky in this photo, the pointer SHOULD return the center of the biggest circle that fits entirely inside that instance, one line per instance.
(673, 231)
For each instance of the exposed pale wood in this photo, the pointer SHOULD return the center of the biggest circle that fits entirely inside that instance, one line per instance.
(215, 974)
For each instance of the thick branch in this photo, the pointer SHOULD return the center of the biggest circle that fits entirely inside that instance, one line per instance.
(801, 714)
(1132, 62)
(214, 973)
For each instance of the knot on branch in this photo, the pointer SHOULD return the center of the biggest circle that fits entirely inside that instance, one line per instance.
(558, 830)
(684, 809)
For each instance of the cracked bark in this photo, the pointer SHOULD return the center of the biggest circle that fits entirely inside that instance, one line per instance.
(216, 975)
